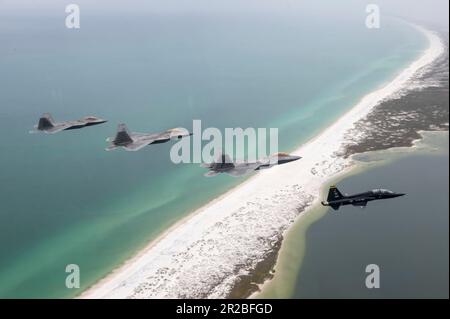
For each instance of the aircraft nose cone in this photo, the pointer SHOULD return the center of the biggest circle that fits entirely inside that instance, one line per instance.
(293, 158)
(288, 159)
(399, 194)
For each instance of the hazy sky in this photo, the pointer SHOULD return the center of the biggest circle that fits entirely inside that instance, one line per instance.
(432, 11)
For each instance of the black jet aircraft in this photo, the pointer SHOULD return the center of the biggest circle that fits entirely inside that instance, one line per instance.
(335, 199)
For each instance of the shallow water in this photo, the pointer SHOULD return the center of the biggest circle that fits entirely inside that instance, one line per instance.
(65, 200)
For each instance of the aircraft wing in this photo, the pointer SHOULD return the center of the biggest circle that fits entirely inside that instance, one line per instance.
(265, 163)
(241, 169)
(58, 128)
(110, 148)
(237, 173)
(137, 145)
(210, 174)
(150, 138)
(360, 204)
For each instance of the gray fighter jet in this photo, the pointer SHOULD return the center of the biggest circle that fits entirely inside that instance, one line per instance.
(48, 125)
(223, 164)
(132, 141)
(336, 199)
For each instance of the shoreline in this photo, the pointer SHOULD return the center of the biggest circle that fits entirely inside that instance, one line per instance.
(401, 137)
(129, 262)
(289, 268)
(270, 287)
(167, 267)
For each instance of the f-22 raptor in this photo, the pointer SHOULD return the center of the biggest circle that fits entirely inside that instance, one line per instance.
(46, 124)
(223, 164)
(131, 141)
(335, 199)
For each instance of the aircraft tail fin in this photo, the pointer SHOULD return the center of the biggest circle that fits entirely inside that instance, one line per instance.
(335, 206)
(334, 194)
(46, 122)
(222, 161)
(122, 136)
(223, 158)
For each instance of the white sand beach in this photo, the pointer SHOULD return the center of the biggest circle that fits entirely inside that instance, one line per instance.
(203, 255)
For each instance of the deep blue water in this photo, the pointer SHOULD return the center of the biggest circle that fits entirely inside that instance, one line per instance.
(406, 237)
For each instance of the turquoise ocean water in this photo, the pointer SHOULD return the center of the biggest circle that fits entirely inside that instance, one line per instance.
(65, 200)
